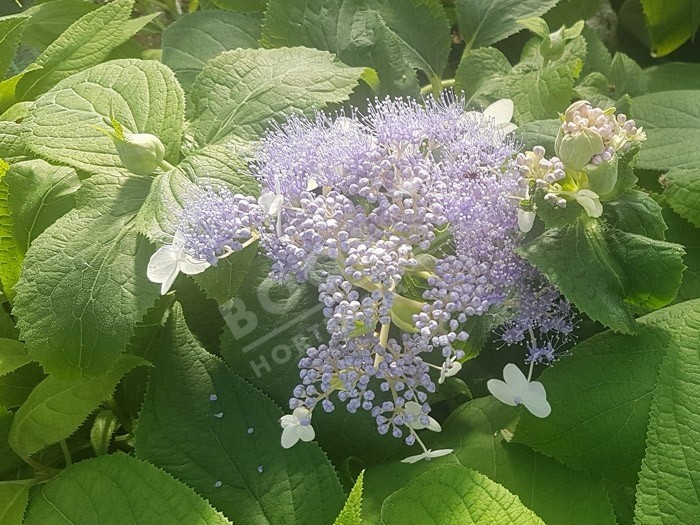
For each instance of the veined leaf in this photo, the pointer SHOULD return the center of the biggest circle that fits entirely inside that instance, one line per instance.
(455, 494)
(671, 467)
(683, 193)
(48, 20)
(39, 194)
(55, 409)
(13, 501)
(485, 22)
(84, 284)
(10, 252)
(143, 95)
(601, 395)
(670, 24)
(240, 92)
(228, 446)
(671, 120)
(352, 511)
(106, 489)
(85, 43)
(11, 30)
(13, 354)
(357, 34)
(192, 40)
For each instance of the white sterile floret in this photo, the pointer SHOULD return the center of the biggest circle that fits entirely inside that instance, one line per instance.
(517, 390)
(525, 220)
(449, 368)
(590, 202)
(428, 455)
(501, 112)
(296, 426)
(169, 260)
(271, 203)
(416, 412)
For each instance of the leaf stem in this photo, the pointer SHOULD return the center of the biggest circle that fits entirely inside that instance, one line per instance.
(66, 453)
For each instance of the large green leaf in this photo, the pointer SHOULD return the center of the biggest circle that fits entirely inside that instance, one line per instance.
(223, 282)
(601, 269)
(602, 392)
(672, 122)
(683, 193)
(13, 354)
(194, 39)
(85, 43)
(39, 194)
(229, 448)
(8, 459)
(13, 501)
(670, 476)
(211, 166)
(11, 30)
(239, 92)
(12, 147)
(48, 20)
(55, 409)
(109, 489)
(484, 22)
(673, 76)
(84, 283)
(682, 232)
(477, 68)
(350, 29)
(635, 212)
(455, 494)
(144, 97)
(352, 511)
(556, 493)
(10, 252)
(16, 386)
(670, 24)
(423, 31)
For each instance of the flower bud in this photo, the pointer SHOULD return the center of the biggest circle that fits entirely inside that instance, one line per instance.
(577, 149)
(140, 153)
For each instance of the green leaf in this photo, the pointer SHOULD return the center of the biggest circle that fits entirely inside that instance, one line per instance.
(108, 489)
(670, 24)
(672, 77)
(484, 22)
(55, 409)
(240, 92)
(10, 253)
(13, 501)
(16, 386)
(627, 76)
(192, 40)
(671, 467)
(48, 20)
(423, 32)
(477, 68)
(682, 232)
(683, 193)
(352, 511)
(13, 354)
(455, 494)
(84, 284)
(635, 212)
(256, 6)
(144, 97)
(540, 133)
(213, 165)
(357, 34)
(8, 459)
(11, 30)
(555, 492)
(224, 281)
(671, 120)
(234, 459)
(601, 269)
(84, 44)
(39, 194)
(602, 392)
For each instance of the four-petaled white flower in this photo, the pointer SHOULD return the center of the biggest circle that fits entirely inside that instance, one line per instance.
(170, 260)
(517, 390)
(590, 202)
(449, 368)
(416, 412)
(428, 455)
(296, 426)
(500, 112)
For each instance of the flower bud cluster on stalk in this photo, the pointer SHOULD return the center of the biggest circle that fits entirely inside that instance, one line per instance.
(411, 214)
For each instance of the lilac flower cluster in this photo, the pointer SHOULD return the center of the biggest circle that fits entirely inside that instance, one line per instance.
(410, 193)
